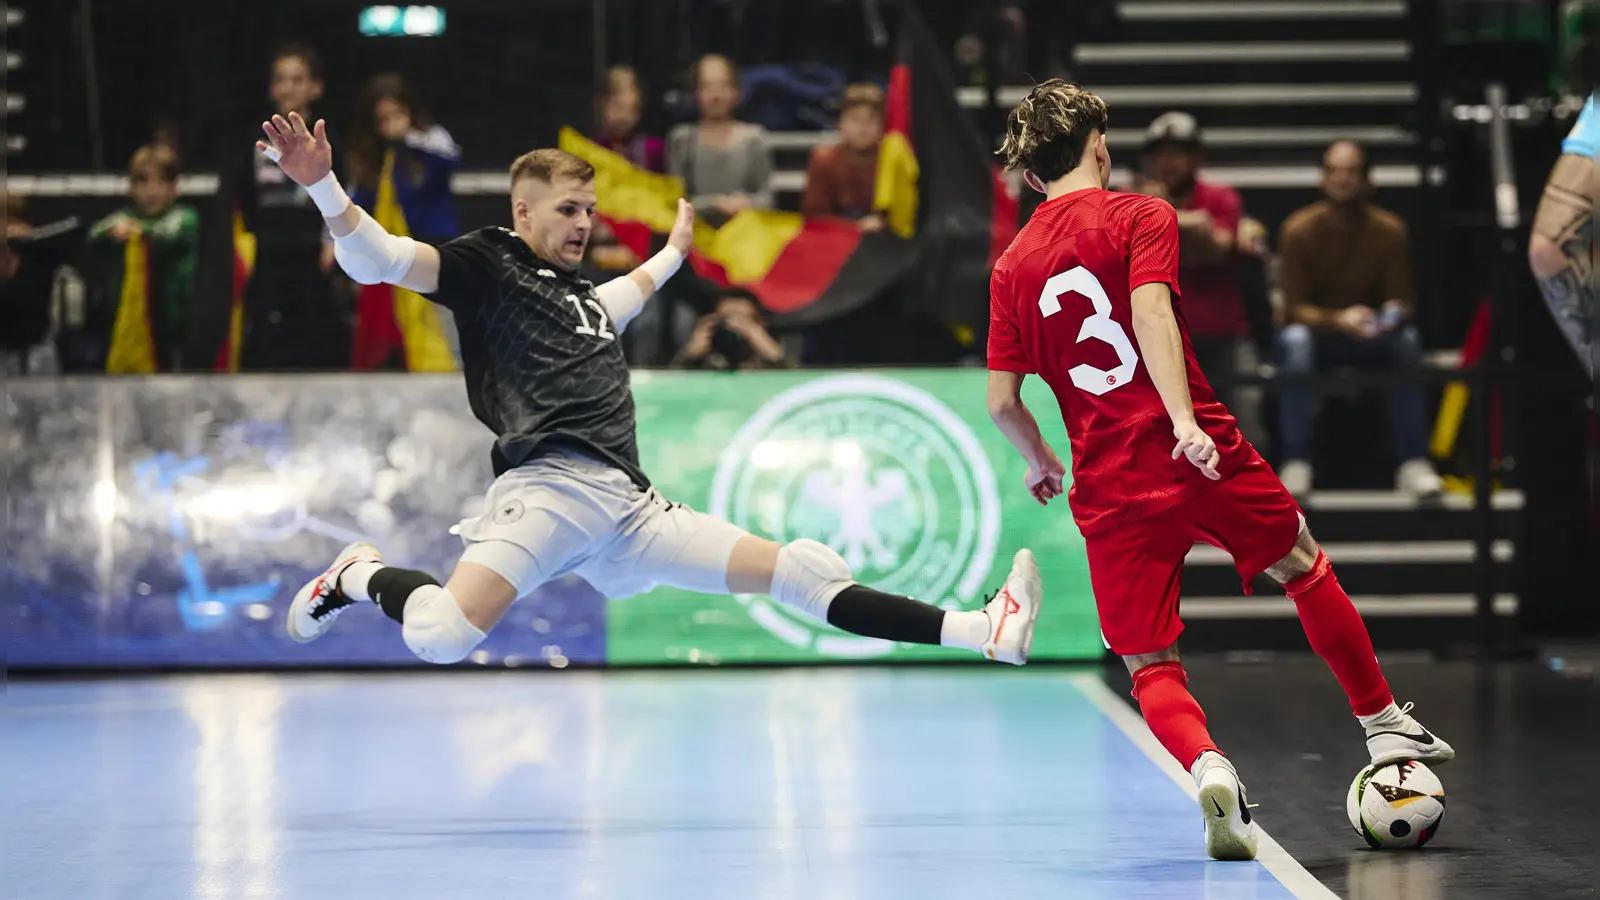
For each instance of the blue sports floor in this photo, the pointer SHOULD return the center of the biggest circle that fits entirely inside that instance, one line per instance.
(830, 783)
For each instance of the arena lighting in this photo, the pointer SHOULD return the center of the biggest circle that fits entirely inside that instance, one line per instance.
(402, 21)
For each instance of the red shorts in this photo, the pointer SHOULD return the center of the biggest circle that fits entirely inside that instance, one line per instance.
(1135, 569)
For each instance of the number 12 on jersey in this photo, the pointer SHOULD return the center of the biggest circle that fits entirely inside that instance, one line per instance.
(1079, 280)
(583, 317)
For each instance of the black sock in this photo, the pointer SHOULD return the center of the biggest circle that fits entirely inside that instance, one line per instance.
(864, 611)
(390, 588)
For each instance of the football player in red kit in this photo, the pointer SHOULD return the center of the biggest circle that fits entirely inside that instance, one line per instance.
(1086, 297)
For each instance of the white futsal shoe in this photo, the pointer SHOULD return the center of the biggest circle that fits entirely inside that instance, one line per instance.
(1393, 736)
(1013, 611)
(1230, 834)
(320, 602)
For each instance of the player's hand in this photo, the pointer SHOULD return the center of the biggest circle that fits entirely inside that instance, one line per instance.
(1044, 479)
(682, 236)
(1360, 321)
(1197, 447)
(303, 152)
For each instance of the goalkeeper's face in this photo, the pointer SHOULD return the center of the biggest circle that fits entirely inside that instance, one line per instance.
(555, 218)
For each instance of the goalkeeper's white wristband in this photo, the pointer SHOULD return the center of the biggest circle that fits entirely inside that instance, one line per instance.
(329, 196)
(661, 266)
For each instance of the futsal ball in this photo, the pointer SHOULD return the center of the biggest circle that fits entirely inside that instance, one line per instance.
(1395, 806)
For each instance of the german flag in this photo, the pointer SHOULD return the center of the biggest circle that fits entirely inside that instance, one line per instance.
(391, 318)
(895, 194)
(244, 263)
(936, 189)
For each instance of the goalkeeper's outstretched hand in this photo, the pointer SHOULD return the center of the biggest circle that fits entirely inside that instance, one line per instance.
(301, 151)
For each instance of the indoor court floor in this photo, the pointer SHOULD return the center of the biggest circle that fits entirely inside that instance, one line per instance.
(918, 782)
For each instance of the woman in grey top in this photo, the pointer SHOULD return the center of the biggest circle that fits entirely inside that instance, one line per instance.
(725, 164)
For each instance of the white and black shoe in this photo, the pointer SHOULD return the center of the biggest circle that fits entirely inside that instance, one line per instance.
(1230, 833)
(320, 601)
(1012, 612)
(1393, 736)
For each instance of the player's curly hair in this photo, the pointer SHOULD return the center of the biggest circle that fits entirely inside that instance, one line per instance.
(1048, 130)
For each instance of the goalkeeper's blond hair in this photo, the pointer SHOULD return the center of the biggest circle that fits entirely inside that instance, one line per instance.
(1047, 133)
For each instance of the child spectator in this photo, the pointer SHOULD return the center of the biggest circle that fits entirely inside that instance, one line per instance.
(618, 110)
(146, 254)
(289, 315)
(725, 164)
(841, 177)
(400, 165)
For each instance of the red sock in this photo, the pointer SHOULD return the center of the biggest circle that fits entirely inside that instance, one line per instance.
(1339, 636)
(1174, 717)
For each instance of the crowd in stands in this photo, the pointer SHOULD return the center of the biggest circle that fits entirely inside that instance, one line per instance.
(1340, 296)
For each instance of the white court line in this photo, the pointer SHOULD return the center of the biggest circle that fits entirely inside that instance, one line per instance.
(1293, 876)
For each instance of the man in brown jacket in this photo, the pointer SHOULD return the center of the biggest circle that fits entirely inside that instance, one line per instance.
(1346, 279)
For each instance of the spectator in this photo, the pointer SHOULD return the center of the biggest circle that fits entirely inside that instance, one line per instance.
(1006, 28)
(147, 253)
(30, 267)
(725, 164)
(395, 145)
(617, 115)
(400, 163)
(618, 110)
(291, 321)
(733, 337)
(1346, 279)
(1210, 216)
(841, 177)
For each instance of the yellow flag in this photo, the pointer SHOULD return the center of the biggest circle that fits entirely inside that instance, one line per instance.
(895, 193)
(133, 349)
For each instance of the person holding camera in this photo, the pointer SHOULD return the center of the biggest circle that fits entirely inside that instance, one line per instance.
(731, 337)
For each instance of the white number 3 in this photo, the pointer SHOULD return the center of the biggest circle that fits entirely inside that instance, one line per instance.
(1079, 280)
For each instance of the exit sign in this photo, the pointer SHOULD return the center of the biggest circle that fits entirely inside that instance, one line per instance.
(402, 21)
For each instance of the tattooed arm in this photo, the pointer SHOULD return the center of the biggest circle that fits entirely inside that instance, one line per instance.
(1561, 253)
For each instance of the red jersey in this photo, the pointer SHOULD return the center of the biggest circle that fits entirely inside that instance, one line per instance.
(1060, 308)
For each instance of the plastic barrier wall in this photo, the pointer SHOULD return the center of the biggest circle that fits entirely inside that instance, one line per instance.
(168, 521)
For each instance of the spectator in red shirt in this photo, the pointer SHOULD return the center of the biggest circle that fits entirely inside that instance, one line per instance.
(1209, 217)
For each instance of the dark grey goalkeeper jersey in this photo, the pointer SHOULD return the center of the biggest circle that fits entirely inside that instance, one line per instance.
(543, 362)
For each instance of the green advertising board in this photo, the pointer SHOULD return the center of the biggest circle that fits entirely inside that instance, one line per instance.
(899, 471)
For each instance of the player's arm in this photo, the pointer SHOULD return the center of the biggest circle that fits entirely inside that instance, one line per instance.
(1013, 417)
(1008, 366)
(1045, 470)
(624, 297)
(1152, 266)
(1561, 246)
(366, 251)
(1155, 327)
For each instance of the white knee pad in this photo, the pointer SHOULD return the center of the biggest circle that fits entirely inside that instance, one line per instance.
(435, 629)
(808, 576)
